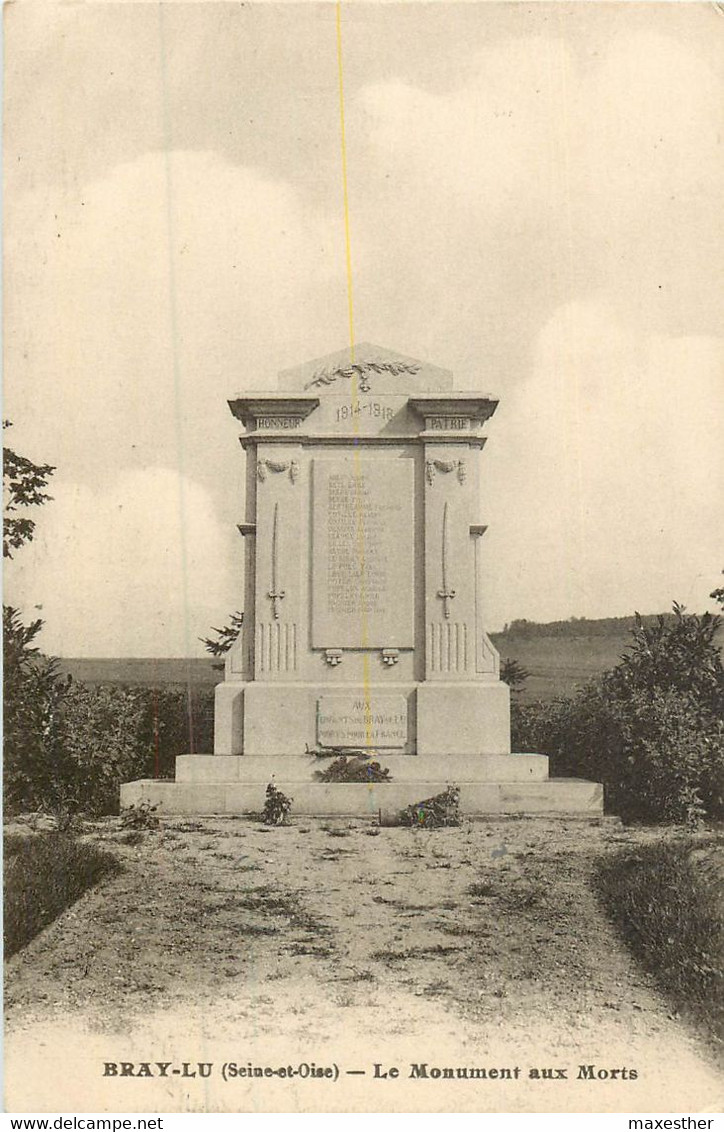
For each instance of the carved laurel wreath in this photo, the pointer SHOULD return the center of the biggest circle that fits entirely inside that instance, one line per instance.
(277, 466)
(445, 466)
(362, 370)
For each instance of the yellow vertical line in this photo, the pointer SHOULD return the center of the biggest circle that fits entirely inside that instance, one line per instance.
(345, 193)
(355, 398)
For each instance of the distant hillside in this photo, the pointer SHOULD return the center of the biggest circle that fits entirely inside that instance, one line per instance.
(578, 627)
(145, 670)
(560, 656)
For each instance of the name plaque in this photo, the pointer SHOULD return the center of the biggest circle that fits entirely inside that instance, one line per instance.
(362, 721)
(362, 552)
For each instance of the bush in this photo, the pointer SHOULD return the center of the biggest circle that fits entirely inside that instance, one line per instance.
(44, 874)
(440, 810)
(669, 910)
(657, 756)
(71, 745)
(652, 729)
(142, 816)
(34, 761)
(103, 742)
(677, 654)
(276, 806)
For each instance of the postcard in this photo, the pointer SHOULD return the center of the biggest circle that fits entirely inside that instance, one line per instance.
(363, 485)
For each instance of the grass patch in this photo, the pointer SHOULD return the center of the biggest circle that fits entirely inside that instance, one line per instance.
(44, 875)
(437, 949)
(481, 890)
(665, 899)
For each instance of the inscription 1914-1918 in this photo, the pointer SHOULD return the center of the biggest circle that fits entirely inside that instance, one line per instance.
(363, 537)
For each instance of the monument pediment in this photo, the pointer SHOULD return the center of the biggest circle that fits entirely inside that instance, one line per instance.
(373, 369)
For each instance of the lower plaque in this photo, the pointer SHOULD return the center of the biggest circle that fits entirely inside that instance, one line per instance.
(362, 721)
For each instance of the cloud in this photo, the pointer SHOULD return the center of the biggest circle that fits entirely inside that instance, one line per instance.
(548, 172)
(142, 568)
(604, 473)
(537, 216)
(160, 291)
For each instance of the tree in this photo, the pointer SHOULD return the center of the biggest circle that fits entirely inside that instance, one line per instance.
(225, 637)
(513, 674)
(34, 761)
(651, 729)
(31, 687)
(24, 485)
(678, 654)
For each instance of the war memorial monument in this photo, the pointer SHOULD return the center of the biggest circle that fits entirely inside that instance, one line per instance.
(363, 609)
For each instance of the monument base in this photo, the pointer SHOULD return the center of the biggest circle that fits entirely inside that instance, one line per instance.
(489, 784)
(262, 718)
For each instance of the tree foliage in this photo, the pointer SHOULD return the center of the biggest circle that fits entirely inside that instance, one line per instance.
(676, 654)
(224, 638)
(33, 754)
(31, 688)
(651, 729)
(513, 674)
(24, 486)
(68, 745)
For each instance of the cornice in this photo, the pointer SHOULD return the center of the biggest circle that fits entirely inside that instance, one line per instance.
(473, 406)
(251, 406)
(466, 440)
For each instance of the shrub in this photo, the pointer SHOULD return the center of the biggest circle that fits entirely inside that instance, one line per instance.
(34, 761)
(44, 874)
(669, 911)
(103, 744)
(658, 758)
(677, 654)
(177, 720)
(440, 810)
(71, 745)
(652, 729)
(142, 816)
(276, 806)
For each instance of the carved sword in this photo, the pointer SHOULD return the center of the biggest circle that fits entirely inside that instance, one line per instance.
(445, 593)
(275, 593)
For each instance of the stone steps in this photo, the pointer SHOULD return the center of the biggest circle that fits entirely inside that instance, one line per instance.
(402, 768)
(561, 796)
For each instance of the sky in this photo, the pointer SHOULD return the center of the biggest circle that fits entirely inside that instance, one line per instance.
(535, 196)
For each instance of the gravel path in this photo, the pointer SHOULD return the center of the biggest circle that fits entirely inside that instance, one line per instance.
(336, 944)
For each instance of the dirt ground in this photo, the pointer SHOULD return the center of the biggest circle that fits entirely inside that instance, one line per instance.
(344, 946)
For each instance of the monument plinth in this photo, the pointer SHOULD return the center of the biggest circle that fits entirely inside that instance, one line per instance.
(363, 608)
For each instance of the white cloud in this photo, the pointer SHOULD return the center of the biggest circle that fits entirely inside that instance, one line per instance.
(163, 290)
(547, 173)
(539, 219)
(605, 473)
(142, 568)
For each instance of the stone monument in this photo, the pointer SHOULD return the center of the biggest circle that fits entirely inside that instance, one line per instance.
(363, 609)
